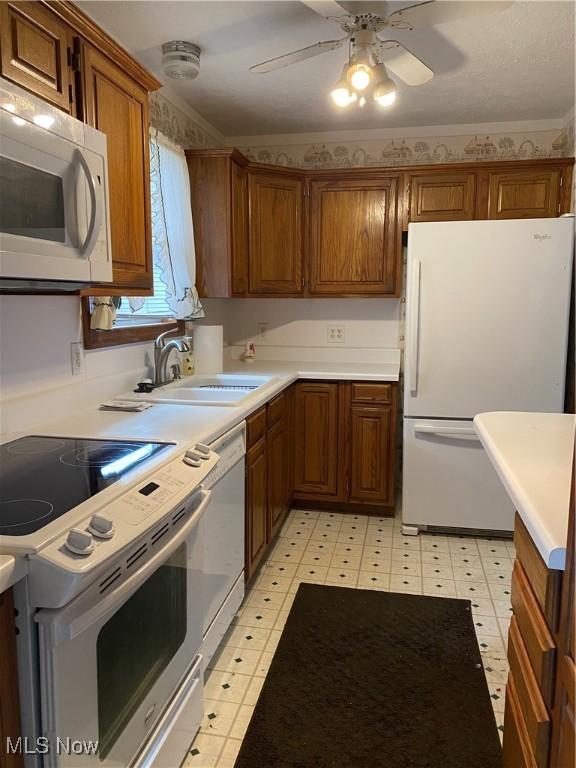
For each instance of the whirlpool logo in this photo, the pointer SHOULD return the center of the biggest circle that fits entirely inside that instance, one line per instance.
(542, 236)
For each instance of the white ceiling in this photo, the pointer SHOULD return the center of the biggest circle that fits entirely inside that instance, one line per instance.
(514, 65)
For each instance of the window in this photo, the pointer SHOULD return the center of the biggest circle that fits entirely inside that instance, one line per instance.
(111, 320)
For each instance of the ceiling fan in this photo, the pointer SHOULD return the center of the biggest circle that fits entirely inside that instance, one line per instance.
(372, 55)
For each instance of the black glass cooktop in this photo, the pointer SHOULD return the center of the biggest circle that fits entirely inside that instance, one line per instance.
(41, 478)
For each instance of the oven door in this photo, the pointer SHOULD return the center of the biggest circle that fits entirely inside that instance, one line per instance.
(110, 665)
(53, 214)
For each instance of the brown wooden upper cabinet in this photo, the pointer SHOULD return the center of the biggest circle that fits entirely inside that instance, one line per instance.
(354, 237)
(219, 192)
(58, 53)
(442, 197)
(117, 106)
(35, 47)
(524, 194)
(276, 232)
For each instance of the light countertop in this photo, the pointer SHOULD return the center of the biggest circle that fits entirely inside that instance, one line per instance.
(189, 424)
(532, 453)
(12, 569)
(293, 370)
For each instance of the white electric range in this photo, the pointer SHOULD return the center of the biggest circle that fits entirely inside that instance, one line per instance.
(110, 617)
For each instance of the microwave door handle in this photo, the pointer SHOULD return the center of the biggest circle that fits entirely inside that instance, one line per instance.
(95, 208)
(67, 630)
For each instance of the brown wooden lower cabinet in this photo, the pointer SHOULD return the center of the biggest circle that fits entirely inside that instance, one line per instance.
(539, 718)
(345, 448)
(564, 714)
(268, 475)
(316, 439)
(256, 505)
(9, 700)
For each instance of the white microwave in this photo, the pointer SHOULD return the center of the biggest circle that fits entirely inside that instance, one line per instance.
(54, 211)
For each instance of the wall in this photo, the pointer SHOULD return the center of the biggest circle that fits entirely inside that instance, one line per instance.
(36, 381)
(416, 146)
(297, 329)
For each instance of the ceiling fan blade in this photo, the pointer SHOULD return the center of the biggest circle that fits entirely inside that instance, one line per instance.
(401, 62)
(330, 9)
(433, 12)
(299, 55)
(356, 7)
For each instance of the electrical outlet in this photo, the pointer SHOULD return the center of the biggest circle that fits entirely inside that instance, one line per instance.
(336, 334)
(261, 329)
(77, 358)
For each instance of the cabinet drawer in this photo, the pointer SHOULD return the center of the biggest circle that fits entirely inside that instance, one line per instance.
(545, 583)
(536, 717)
(255, 427)
(539, 643)
(516, 752)
(371, 393)
(276, 409)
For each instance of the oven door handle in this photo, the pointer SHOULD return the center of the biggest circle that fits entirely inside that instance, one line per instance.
(63, 627)
(95, 207)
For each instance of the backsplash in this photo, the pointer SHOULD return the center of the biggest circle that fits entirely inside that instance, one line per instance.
(297, 329)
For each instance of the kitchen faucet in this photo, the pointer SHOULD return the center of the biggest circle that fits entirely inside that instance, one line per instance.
(162, 349)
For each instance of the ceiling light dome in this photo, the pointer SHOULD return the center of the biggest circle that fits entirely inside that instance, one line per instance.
(181, 60)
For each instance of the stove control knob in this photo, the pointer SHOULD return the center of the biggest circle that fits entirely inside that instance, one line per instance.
(192, 458)
(79, 542)
(101, 527)
(203, 450)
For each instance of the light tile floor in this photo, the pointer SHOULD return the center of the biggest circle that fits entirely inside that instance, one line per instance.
(360, 552)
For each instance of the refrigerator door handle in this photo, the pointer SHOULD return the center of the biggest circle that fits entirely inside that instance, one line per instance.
(414, 325)
(454, 433)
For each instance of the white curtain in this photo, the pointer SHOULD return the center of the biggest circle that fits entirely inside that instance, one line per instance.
(172, 233)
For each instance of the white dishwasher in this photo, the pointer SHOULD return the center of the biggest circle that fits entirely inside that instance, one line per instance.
(224, 539)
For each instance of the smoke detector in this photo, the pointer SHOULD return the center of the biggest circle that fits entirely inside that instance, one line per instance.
(181, 60)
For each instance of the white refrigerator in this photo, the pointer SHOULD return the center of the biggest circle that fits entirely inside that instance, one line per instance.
(487, 310)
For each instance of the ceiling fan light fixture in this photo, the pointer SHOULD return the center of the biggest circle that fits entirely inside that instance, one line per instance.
(359, 77)
(359, 71)
(387, 100)
(385, 88)
(341, 94)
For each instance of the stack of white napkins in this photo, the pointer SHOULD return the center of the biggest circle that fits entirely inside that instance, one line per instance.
(132, 406)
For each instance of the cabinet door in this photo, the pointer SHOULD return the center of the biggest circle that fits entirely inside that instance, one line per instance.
(523, 194)
(276, 233)
(118, 107)
(354, 243)
(277, 484)
(316, 438)
(256, 506)
(290, 428)
(9, 699)
(371, 454)
(35, 53)
(564, 714)
(442, 197)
